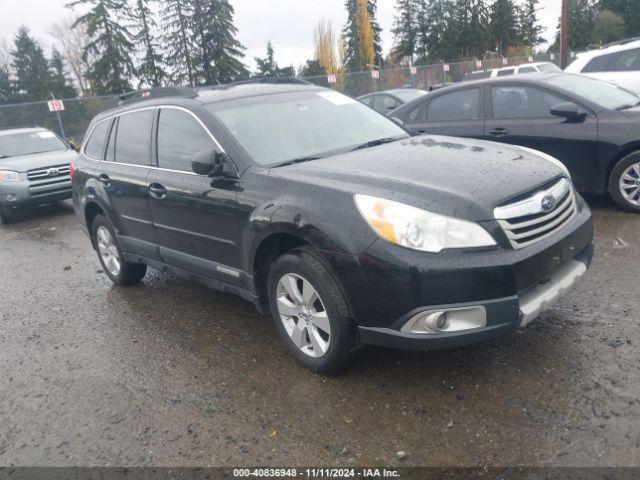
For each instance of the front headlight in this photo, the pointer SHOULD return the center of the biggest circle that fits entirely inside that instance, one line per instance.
(9, 176)
(418, 229)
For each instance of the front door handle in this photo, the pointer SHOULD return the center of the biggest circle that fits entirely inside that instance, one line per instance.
(157, 191)
(420, 131)
(105, 180)
(499, 132)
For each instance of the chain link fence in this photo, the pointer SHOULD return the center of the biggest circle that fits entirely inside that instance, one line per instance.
(79, 111)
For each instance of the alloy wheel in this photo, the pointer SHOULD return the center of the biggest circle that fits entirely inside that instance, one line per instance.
(303, 315)
(630, 184)
(108, 251)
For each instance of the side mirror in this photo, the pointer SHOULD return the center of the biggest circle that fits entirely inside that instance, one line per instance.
(213, 164)
(568, 110)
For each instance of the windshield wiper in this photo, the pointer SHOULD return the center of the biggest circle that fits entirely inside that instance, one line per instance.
(375, 143)
(299, 160)
(626, 107)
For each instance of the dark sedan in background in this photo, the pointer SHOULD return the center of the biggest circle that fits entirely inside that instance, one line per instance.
(591, 126)
(388, 100)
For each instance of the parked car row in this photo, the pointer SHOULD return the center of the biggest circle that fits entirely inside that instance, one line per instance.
(331, 217)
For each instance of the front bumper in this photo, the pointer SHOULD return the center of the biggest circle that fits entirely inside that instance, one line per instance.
(25, 193)
(505, 314)
(390, 285)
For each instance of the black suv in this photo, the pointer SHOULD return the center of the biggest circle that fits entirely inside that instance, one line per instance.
(330, 216)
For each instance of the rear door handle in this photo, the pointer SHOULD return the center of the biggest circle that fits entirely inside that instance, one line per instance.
(157, 191)
(499, 132)
(104, 179)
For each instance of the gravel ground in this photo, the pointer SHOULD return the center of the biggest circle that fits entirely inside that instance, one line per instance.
(172, 374)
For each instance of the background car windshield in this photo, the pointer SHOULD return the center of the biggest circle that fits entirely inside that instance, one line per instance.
(279, 128)
(408, 95)
(548, 68)
(18, 144)
(603, 93)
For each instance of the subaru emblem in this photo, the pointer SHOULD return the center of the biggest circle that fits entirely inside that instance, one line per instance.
(548, 203)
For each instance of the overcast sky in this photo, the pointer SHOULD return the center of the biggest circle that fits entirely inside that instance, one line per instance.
(288, 24)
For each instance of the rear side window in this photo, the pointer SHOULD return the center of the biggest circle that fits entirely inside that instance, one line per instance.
(628, 61)
(132, 139)
(599, 64)
(95, 145)
(505, 73)
(462, 105)
(526, 70)
(180, 137)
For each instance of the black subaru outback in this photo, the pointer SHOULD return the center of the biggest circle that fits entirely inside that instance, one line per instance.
(329, 216)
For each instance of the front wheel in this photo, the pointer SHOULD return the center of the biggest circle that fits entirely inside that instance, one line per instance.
(6, 215)
(624, 183)
(310, 312)
(117, 269)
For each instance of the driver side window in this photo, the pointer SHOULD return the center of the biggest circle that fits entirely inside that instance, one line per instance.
(180, 137)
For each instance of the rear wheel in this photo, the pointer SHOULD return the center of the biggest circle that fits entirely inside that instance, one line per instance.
(624, 183)
(117, 269)
(310, 312)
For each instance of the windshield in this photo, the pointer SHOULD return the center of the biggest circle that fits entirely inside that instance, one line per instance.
(602, 93)
(281, 128)
(548, 67)
(408, 95)
(27, 143)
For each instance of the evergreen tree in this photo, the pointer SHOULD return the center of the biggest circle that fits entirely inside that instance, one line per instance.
(629, 10)
(468, 27)
(312, 68)
(440, 39)
(405, 28)
(31, 68)
(377, 31)
(581, 25)
(503, 25)
(422, 30)
(530, 30)
(60, 85)
(359, 36)
(268, 67)
(218, 54)
(110, 44)
(178, 38)
(150, 72)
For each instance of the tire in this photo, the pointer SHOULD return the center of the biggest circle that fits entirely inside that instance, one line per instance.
(6, 215)
(106, 245)
(626, 172)
(325, 343)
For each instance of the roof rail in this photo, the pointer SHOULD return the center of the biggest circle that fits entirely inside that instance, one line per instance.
(620, 42)
(148, 94)
(16, 127)
(262, 80)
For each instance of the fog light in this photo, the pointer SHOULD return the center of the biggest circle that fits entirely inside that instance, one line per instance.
(447, 320)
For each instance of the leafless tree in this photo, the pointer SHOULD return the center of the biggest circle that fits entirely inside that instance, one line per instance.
(5, 56)
(72, 41)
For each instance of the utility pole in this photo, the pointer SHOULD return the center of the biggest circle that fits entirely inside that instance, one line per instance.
(564, 35)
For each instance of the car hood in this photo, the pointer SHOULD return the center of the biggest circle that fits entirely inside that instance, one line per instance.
(464, 178)
(25, 163)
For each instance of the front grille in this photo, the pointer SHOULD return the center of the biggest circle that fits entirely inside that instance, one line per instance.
(54, 171)
(528, 221)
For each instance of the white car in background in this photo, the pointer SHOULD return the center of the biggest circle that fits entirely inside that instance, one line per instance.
(543, 67)
(617, 63)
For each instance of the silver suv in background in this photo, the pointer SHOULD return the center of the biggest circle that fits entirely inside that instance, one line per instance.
(34, 169)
